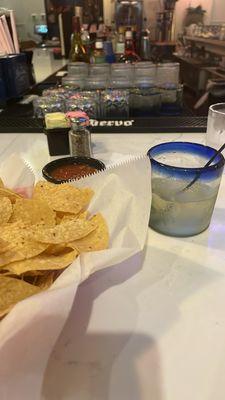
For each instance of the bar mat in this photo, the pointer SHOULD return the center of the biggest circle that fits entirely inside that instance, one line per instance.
(151, 125)
(20, 125)
(138, 125)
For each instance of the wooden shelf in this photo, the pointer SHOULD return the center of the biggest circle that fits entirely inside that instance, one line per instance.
(163, 43)
(213, 46)
(190, 60)
(215, 42)
(215, 72)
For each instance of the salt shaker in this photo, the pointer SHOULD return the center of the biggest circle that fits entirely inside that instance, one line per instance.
(79, 135)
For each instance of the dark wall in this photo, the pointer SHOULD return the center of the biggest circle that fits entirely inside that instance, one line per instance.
(92, 9)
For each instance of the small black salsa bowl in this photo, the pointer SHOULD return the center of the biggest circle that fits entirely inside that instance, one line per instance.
(48, 168)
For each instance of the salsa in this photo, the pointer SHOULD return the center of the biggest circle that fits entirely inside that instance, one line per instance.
(72, 171)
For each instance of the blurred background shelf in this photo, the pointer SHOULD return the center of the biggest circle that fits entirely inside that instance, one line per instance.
(214, 42)
(213, 46)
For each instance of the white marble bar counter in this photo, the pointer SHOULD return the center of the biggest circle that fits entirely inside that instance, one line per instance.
(154, 330)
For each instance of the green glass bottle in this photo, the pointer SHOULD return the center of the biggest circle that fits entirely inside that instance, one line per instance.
(78, 51)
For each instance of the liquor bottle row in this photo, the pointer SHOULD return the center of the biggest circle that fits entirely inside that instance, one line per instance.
(108, 45)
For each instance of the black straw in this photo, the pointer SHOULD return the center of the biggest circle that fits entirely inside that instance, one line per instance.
(205, 166)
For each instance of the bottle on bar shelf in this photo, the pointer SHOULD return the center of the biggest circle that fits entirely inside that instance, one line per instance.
(85, 37)
(101, 29)
(93, 31)
(77, 51)
(145, 49)
(135, 38)
(78, 12)
(98, 56)
(145, 28)
(109, 53)
(130, 55)
(112, 35)
(120, 44)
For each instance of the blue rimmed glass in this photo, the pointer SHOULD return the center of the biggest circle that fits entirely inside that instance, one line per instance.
(178, 212)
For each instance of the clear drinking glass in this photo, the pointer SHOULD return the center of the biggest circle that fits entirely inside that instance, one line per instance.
(178, 212)
(167, 73)
(47, 105)
(120, 69)
(55, 91)
(99, 69)
(120, 82)
(172, 99)
(145, 69)
(78, 68)
(73, 81)
(115, 103)
(96, 82)
(215, 135)
(145, 98)
(86, 101)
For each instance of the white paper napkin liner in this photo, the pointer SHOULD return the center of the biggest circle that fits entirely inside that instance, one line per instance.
(17, 175)
(27, 338)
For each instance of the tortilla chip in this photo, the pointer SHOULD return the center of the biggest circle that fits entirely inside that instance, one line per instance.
(19, 247)
(45, 281)
(63, 198)
(43, 262)
(4, 246)
(10, 194)
(83, 215)
(63, 233)
(5, 210)
(29, 273)
(58, 219)
(33, 212)
(96, 240)
(1, 183)
(69, 217)
(60, 216)
(57, 249)
(12, 291)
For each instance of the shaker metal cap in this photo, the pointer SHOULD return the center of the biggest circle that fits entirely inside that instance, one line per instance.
(78, 119)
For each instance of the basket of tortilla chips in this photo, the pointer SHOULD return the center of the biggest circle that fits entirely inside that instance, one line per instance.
(41, 236)
(52, 238)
